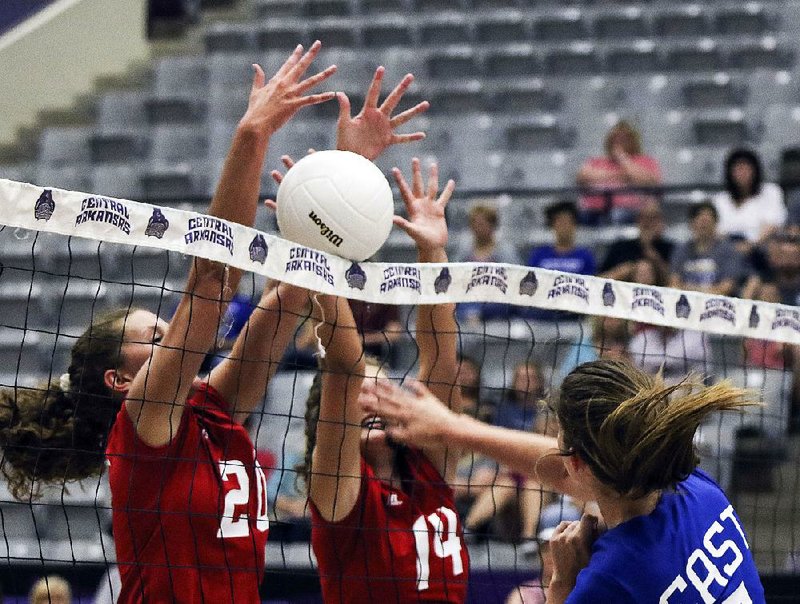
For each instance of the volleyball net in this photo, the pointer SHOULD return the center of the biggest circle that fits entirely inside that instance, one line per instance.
(67, 257)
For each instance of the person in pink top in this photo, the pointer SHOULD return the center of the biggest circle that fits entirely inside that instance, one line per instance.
(624, 165)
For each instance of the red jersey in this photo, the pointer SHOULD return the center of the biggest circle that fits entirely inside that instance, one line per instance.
(396, 545)
(190, 518)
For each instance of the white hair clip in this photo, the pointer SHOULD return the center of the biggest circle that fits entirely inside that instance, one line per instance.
(64, 382)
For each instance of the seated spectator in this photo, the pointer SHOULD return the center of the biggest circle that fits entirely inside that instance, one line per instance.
(289, 504)
(469, 380)
(51, 589)
(783, 261)
(379, 326)
(749, 210)
(483, 246)
(563, 255)
(707, 262)
(675, 352)
(622, 255)
(518, 409)
(509, 506)
(605, 337)
(534, 592)
(624, 165)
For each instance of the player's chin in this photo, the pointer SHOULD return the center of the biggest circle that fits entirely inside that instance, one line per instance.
(374, 440)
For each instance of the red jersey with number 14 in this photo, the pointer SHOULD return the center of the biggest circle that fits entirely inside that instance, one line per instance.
(396, 545)
(190, 518)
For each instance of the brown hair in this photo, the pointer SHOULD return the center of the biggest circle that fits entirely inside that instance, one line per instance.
(633, 144)
(48, 588)
(49, 435)
(488, 212)
(635, 432)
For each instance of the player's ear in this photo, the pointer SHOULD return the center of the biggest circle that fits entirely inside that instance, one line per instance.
(116, 381)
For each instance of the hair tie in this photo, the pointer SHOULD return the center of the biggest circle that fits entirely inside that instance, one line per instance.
(64, 382)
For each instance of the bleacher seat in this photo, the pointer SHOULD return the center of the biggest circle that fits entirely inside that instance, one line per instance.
(680, 22)
(282, 35)
(782, 125)
(565, 26)
(120, 180)
(229, 37)
(373, 7)
(538, 134)
(21, 172)
(748, 19)
(512, 62)
(535, 170)
(176, 143)
(436, 6)
(64, 146)
(181, 76)
(386, 31)
(327, 8)
(638, 58)
(118, 147)
(453, 62)
(277, 9)
(717, 91)
(438, 30)
(703, 56)
(72, 178)
(724, 128)
(626, 24)
(335, 32)
(577, 60)
(117, 111)
(524, 97)
(502, 28)
(175, 110)
(763, 54)
(459, 98)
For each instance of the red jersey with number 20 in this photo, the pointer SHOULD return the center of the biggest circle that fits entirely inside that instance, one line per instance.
(190, 518)
(395, 546)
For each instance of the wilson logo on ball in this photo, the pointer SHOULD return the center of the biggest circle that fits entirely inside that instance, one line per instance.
(325, 230)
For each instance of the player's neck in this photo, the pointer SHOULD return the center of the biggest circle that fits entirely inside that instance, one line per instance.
(385, 469)
(616, 509)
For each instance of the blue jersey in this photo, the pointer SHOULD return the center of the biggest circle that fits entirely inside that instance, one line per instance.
(690, 549)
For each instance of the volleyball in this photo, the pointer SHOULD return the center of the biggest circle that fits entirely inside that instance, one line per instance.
(337, 202)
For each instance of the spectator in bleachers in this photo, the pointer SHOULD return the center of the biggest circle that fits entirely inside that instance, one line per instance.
(707, 262)
(783, 261)
(379, 326)
(749, 210)
(483, 246)
(518, 409)
(605, 337)
(563, 255)
(51, 589)
(623, 254)
(623, 165)
(534, 592)
(653, 348)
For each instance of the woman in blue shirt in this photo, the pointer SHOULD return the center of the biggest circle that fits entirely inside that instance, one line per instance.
(625, 441)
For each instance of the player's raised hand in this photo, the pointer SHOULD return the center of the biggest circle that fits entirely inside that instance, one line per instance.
(273, 103)
(571, 547)
(373, 130)
(414, 415)
(426, 223)
(277, 176)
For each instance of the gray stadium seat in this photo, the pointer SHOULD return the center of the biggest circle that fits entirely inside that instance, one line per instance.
(705, 56)
(373, 7)
(524, 97)
(21, 351)
(767, 88)
(229, 37)
(436, 6)
(445, 29)
(181, 76)
(782, 124)
(22, 172)
(765, 54)
(174, 110)
(502, 28)
(621, 25)
(115, 147)
(72, 178)
(458, 98)
(565, 26)
(686, 21)
(386, 31)
(747, 19)
(718, 91)
(538, 134)
(276, 9)
(724, 129)
(578, 60)
(176, 181)
(335, 32)
(121, 111)
(640, 58)
(327, 8)
(122, 180)
(75, 303)
(177, 143)
(61, 146)
(512, 62)
(282, 35)
(535, 170)
(670, 128)
(453, 62)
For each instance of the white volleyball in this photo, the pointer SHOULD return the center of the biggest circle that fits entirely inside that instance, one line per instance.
(336, 202)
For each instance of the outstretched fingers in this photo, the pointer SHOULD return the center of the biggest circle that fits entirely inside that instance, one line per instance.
(374, 90)
(259, 79)
(390, 102)
(289, 63)
(405, 190)
(301, 65)
(407, 138)
(444, 198)
(416, 177)
(408, 114)
(312, 81)
(433, 180)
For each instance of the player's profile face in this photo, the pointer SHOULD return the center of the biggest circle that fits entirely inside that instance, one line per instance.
(143, 330)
